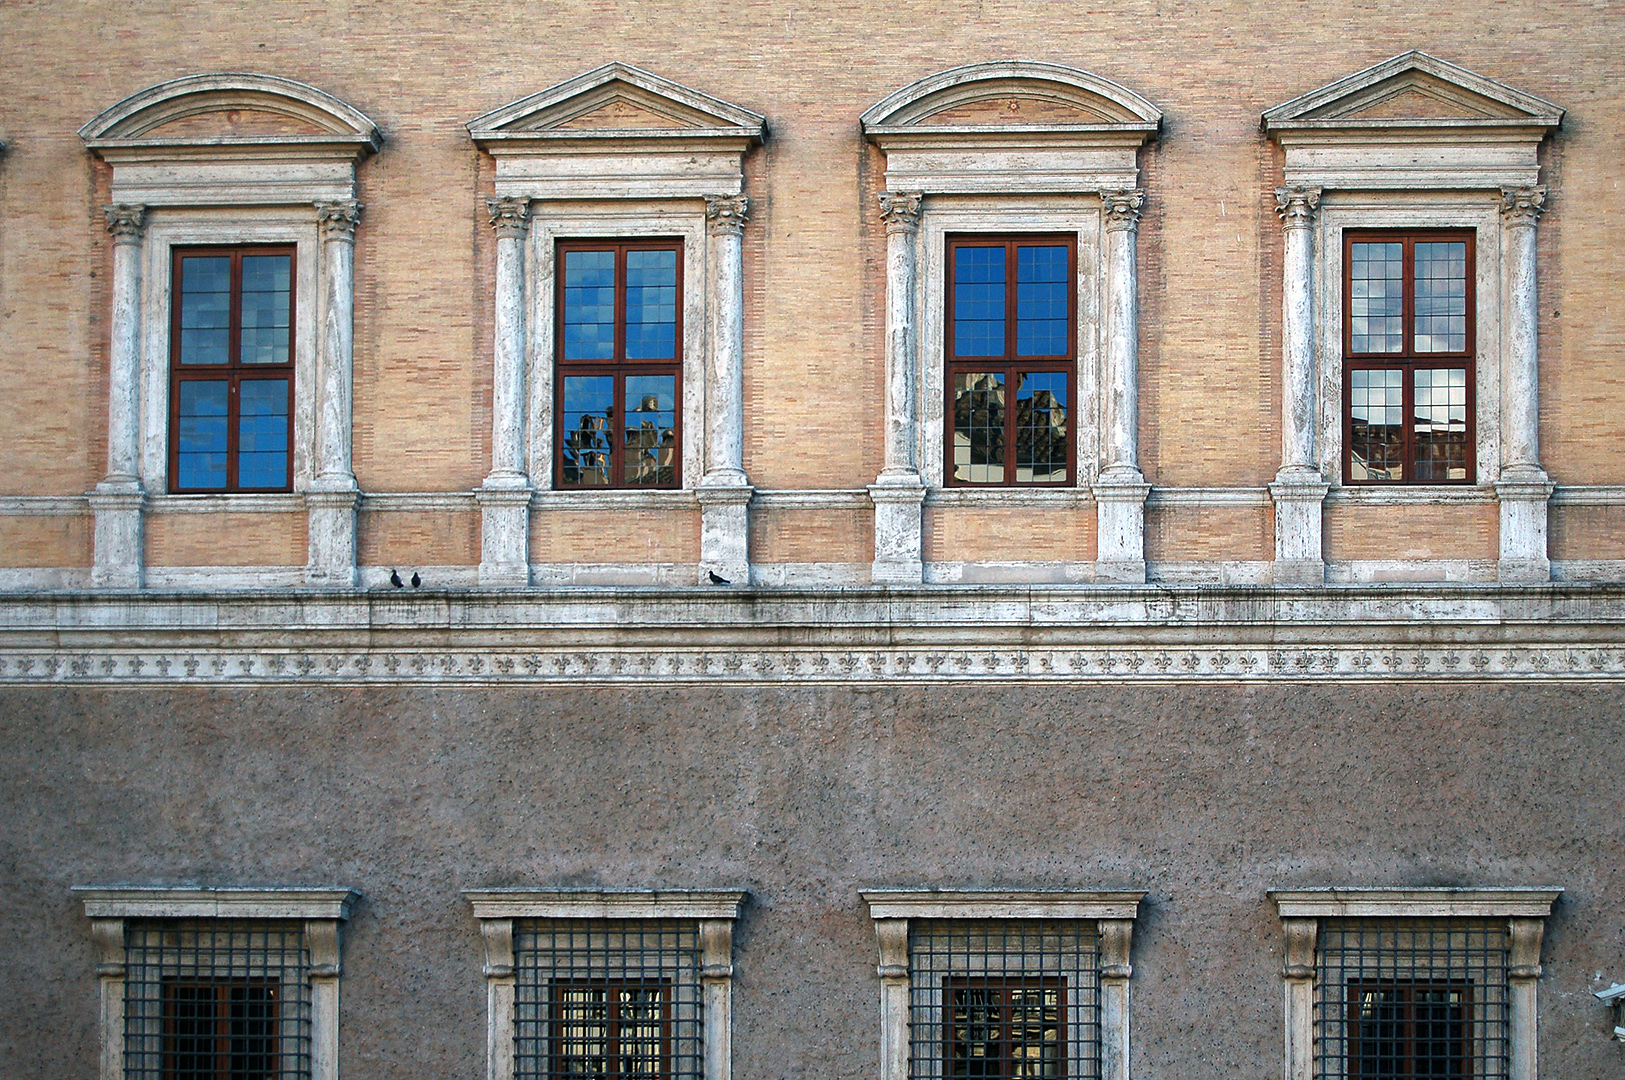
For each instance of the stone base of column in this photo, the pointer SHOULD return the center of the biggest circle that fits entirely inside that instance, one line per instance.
(899, 502)
(1298, 495)
(330, 525)
(504, 532)
(1120, 496)
(1524, 492)
(724, 530)
(118, 561)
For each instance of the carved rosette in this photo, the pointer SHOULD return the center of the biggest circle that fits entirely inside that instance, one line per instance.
(338, 219)
(1297, 206)
(901, 211)
(725, 214)
(510, 218)
(1523, 206)
(1123, 208)
(125, 222)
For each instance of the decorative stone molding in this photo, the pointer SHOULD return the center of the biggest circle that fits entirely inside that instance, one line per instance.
(1523, 206)
(338, 220)
(125, 222)
(1123, 208)
(725, 215)
(1296, 206)
(510, 218)
(900, 210)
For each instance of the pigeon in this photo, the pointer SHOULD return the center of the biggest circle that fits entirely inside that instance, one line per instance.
(416, 581)
(716, 578)
(395, 579)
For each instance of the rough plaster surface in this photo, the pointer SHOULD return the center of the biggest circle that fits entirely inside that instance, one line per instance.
(1205, 796)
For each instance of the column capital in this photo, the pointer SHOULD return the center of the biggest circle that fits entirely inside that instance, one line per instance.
(1523, 206)
(338, 219)
(901, 211)
(510, 218)
(725, 214)
(1297, 206)
(124, 221)
(1123, 208)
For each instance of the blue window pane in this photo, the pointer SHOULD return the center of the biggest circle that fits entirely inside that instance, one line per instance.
(262, 433)
(588, 422)
(979, 276)
(651, 305)
(1041, 427)
(205, 310)
(1042, 293)
(651, 430)
(201, 435)
(265, 308)
(589, 305)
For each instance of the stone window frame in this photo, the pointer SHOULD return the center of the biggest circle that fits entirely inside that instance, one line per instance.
(1045, 178)
(321, 910)
(1112, 911)
(1302, 910)
(714, 911)
(560, 177)
(187, 189)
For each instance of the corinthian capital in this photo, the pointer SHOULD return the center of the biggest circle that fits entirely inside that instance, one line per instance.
(1296, 205)
(510, 218)
(725, 214)
(338, 219)
(1522, 206)
(1123, 208)
(900, 210)
(124, 222)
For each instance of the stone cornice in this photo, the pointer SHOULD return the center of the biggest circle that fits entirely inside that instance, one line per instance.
(190, 901)
(513, 903)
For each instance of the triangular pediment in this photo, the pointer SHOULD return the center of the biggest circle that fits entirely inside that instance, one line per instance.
(1012, 93)
(616, 98)
(1412, 90)
(230, 109)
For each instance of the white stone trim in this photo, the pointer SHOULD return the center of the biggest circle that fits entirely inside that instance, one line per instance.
(43, 505)
(517, 903)
(1001, 904)
(205, 902)
(1424, 902)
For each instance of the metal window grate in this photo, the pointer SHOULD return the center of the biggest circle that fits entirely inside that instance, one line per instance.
(216, 999)
(611, 999)
(1004, 999)
(1400, 998)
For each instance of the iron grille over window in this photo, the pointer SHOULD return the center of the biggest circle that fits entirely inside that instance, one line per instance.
(611, 999)
(216, 999)
(1401, 998)
(1003, 999)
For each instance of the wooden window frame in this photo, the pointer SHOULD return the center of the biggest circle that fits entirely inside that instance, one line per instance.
(1408, 360)
(617, 366)
(234, 372)
(612, 1025)
(1009, 364)
(223, 1036)
(1007, 1041)
(1406, 1025)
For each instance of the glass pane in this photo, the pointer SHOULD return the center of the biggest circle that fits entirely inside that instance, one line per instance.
(266, 311)
(1441, 297)
(1441, 424)
(978, 434)
(205, 309)
(978, 301)
(1376, 298)
(1376, 409)
(201, 435)
(640, 1032)
(651, 305)
(589, 305)
(651, 430)
(1041, 442)
(1042, 289)
(581, 1038)
(262, 433)
(586, 425)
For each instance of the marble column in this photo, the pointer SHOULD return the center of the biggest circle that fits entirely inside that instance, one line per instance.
(1299, 488)
(899, 493)
(504, 498)
(724, 491)
(332, 498)
(1298, 978)
(500, 983)
(1115, 972)
(716, 977)
(1523, 488)
(117, 499)
(894, 988)
(1523, 974)
(322, 938)
(1120, 490)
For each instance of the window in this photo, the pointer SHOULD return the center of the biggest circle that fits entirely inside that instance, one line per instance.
(1011, 357)
(218, 984)
(1409, 356)
(231, 369)
(620, 364)
(608, 985)
(1003, 985)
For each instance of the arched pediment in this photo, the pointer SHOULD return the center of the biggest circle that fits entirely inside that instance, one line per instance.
(230, 109)
(616, 101)
(1017, 93)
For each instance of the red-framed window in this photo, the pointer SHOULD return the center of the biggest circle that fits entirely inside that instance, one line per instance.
(1004, 1027)
(619, 321)
(1011, 354)
(231, 360)
(610, 1030)
(222, 1029)
(1409, 348)
(1404, 1029)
